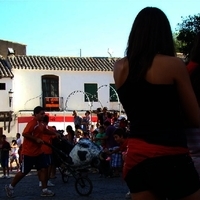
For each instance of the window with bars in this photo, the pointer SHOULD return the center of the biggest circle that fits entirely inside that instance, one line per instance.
(50, 92)
(90, 90)
(113, 93)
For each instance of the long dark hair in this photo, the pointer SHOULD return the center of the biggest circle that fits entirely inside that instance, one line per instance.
(70, 130)
(150, 34)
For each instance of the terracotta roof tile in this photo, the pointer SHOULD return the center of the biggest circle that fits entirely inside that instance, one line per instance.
(5, 69)
(62, 63)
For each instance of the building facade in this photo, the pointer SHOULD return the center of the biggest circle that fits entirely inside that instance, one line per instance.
(59, 84)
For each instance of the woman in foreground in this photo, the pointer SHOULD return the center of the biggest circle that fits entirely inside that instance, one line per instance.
(155, 90)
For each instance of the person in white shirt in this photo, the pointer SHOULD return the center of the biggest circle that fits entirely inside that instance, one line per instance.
(14, 156)
(18, 139)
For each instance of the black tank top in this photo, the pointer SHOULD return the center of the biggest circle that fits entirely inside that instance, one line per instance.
(154, 112)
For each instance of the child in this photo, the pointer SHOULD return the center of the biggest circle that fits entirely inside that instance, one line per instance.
(77, 133)
(92, 128)
(98, 138)
(93, 136)
(120, 137)
(14, 154)
(5, 148)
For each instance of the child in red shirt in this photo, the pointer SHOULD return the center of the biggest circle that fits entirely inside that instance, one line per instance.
(120, 137)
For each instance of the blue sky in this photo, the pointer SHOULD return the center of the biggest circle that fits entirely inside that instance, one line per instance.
(80, 27)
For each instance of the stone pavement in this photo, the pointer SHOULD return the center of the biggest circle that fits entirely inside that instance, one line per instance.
(103, 188)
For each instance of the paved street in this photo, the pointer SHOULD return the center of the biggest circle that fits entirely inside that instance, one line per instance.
(103, 188)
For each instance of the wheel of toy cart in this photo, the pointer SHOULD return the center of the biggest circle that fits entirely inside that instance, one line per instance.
(83, 186)
(65, 175)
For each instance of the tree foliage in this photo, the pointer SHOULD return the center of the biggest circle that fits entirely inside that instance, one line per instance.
(177, 43)
(185, 33)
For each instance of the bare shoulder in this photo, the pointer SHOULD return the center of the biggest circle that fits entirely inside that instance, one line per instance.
(177, 67)
(173, 62)
(120, 72)
(171, 65)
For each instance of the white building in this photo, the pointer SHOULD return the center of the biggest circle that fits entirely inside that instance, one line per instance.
(59, 84)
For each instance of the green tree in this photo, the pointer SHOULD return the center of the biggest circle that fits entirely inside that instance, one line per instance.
(186, 32)
(176, 42)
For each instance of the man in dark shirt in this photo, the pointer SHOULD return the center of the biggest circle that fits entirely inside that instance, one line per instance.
(5, 148)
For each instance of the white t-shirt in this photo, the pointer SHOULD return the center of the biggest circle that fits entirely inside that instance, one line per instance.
(19, 142)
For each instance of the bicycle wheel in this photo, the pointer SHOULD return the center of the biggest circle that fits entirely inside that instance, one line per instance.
(83, 186)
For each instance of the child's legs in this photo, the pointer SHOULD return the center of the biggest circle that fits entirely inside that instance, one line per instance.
(11, 162)
(17, 163)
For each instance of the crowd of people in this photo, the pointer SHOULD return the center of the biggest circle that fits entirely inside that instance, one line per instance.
(157, 148)
(34, 153)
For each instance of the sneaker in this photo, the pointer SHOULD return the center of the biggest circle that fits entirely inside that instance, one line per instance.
(8, 177)
(128, 195)
(3, 176)
(50, 184)
(47, 193)
(9, 192)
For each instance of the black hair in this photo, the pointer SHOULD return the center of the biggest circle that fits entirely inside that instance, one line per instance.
(37, 110)
(18, 134)
(102, 127)
(14, 141)
(99, 110)
(69, 128)
(105, 108)
(88, 112)
(150, 35)
(120, 132)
